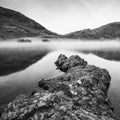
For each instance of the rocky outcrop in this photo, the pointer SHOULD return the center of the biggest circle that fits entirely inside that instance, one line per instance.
(79, 94)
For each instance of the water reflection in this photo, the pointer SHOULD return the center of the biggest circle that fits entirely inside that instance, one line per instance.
(45, 68)
(25, 82)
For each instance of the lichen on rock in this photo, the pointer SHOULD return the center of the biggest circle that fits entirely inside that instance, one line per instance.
(79, 94)
(63, 63)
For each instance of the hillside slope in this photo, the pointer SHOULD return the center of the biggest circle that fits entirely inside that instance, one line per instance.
(14, 24)
(109, 31)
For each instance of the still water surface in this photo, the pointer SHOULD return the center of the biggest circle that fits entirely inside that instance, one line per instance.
(24, 82)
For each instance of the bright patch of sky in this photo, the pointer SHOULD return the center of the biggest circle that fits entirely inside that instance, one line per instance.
(64, 16)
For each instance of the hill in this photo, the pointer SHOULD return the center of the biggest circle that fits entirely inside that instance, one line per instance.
(109, 31)
(14, 24)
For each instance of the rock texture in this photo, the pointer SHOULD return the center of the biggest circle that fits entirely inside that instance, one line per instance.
(79, 94)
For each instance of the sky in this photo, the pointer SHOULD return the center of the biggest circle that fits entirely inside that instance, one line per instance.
(64, 16)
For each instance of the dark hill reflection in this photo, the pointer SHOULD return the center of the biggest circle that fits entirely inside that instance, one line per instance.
(20, 57)
(106, 54)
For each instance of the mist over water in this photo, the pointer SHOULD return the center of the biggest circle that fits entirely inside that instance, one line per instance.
(64, 44)
(25, 81)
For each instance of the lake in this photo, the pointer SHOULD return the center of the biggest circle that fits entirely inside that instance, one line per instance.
(26, 80)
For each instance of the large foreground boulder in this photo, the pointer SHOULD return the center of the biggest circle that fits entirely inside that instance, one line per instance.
(79, 94)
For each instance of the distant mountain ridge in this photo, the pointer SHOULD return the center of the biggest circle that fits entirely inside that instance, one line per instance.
(14, 24)
(109, 31)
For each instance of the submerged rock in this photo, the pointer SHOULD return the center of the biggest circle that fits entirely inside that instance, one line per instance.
(79, 94)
